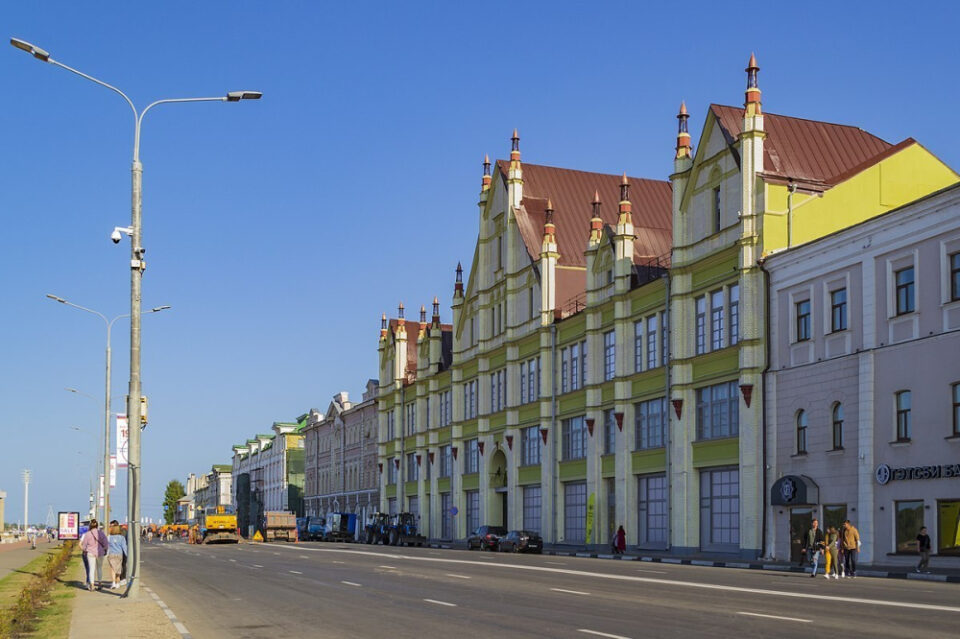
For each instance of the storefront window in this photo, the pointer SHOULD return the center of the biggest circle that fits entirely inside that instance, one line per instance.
(652, 510)
(834, 515)
(575, 512)
(948, 539)
(909, 522)
(720, 509)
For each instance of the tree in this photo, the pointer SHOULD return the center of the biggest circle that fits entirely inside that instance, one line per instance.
(173, 493)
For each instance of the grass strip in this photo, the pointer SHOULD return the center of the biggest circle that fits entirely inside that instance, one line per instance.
(53, 620)
(22, 617)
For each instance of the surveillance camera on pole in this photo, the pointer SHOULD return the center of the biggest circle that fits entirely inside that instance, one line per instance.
(118, 232)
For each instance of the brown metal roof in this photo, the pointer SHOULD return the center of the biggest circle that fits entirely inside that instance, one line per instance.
(572, 192)
(806, 150)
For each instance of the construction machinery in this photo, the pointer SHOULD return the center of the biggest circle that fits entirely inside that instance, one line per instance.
(279, 524)
(403, 531)
(340, 527)
(377, 530)
(218, 524)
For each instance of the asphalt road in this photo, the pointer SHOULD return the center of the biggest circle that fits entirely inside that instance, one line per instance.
(345, 590)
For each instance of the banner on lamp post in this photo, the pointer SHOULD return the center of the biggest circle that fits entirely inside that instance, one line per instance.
(101, 491)
(123, 436)
(113, 471)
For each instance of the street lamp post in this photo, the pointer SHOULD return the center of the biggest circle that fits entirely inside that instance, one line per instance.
(137, 266)
(105, 512)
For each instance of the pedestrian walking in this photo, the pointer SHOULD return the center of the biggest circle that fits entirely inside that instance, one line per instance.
(923, 547)
(620, 541)
(94, 543)
(814, 544)
(830, 554)
(116, 549)
(850, 540)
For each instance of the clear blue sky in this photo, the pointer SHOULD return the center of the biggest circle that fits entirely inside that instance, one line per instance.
(279, 230)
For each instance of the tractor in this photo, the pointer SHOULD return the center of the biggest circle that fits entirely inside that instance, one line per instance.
(403, 531)
(378, 528)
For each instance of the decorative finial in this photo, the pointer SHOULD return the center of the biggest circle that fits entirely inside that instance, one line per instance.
(423, 314)
(624, 188)
(596, 203)
(436, 310)
(486, 164)
(683, 135)
(383, 322)
(752, 101)
(459, 273)
(549, 212)
(400, 310)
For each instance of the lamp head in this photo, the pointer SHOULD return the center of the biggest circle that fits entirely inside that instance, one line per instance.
(36, 52)
(236, 96)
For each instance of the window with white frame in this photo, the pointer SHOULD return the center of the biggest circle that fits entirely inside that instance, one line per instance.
(903, 403)
(838, 310)
(446, 460)
(652, 342)
(413, 471)
(498, 394)
(471, 461)
(470, 399)
(575, 511)
(734, 293)
(530, 380)
(391, 425)
(955, 276)
(574, 438)
(802, 432)
(573, 368)
(701, 324)
(531, 508)
(955, 396)
(410, 427)
(837, 419)
(609, 432)
(905, 291)
(609, 355)
(718, 411)
(472, 499)
(650, 418)
(664, 339)
(446, 414)
(803, 320)
(716, 320)
(391, 471)
(638, 346)
(530, 446)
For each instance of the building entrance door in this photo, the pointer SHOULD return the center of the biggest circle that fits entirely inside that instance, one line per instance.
(800, 521)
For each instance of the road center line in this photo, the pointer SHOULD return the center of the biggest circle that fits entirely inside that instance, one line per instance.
(388, 567)
(601, 634)
(570, 592)
(349, 583)
(441, 603)
(757, 614)
(339, 562)
(257, 566)
(450, 574)
(647, 580)
(296, 572)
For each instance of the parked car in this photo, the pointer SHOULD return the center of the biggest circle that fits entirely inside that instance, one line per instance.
(520, 541)
(486, 537)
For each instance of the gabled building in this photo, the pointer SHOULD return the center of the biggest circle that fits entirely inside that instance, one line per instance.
(604, 363)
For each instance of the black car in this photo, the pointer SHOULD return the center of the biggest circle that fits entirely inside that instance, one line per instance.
(486, 537)
(521, 541)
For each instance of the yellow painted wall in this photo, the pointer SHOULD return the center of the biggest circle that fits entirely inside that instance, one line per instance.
(903, 177)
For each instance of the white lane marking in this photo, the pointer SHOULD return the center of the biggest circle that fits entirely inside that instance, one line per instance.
(234, 560)
(601, 634)
(555, 563)
(441, 603)
(169, 613)
(388, 567)
(649, 580)
(450, 574)
(257, 566)
(757, 614)
(304, 557)
(570, 592)
(296, 572)
(349, 583)
(655, 572)
(339, 562)
(182, 629)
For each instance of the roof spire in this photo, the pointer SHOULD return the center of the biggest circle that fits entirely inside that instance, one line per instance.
(596, 222)
(683, 134)
(625, 216)
(383, 326)
(486, 172)
(514, 147)
(458, 284)
(400, 311)
(436, 311)
(752, 98)
(423, 314)
(549, 228)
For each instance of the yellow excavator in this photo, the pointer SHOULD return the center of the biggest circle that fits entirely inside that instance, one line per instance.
(218, 524)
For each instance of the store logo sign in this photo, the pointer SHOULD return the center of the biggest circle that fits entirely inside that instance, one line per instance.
(886, 474)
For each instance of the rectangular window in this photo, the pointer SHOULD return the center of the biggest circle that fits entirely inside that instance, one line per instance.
(909, 521)
(583, 363)
(720, 509)
(652, 511)
(470, 399)
(955, 390)
(838, 310)
(664, 339)
(701, 327)
(837, 426)
(948, 525)
(716, 210)
(446, 460)
(472, 499)
(718, 411)
(905, 291)
(652, 342)
(903, 416)
(391, 471)
(574, 438)
(523, 383)
(575, 512)
(499, 251)
(955, 276)
(531, 508)
(471, 461)
(446, 516)
(609, 355)
(413, 471)
(638, 346)
(609, 432)
(498, 390)
(530, 446)
(575, 367)
(716, 320)
(410, 427)
(803, 320)
(446, 414)
(802, 432)
(413, 505)
(650, 418)
(390, 425)
(564, 370)
(734, 314)
(531, 304)
(530, 380)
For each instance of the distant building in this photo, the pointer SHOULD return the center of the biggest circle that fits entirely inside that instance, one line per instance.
(267, 474)
(863, 391)
(341, 456)
(214, 488)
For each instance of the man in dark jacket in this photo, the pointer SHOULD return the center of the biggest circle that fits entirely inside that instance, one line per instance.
(813, 543)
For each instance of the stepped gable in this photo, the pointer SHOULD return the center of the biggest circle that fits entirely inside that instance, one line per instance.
(816, 153)
(572, 192)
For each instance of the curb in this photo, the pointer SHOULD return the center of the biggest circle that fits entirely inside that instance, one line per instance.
(177, 624)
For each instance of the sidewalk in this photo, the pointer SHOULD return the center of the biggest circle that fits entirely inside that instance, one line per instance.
(105, 614)
(13, 556)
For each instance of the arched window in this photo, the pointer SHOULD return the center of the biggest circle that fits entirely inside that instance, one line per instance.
(801, 432)
(838, 426)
